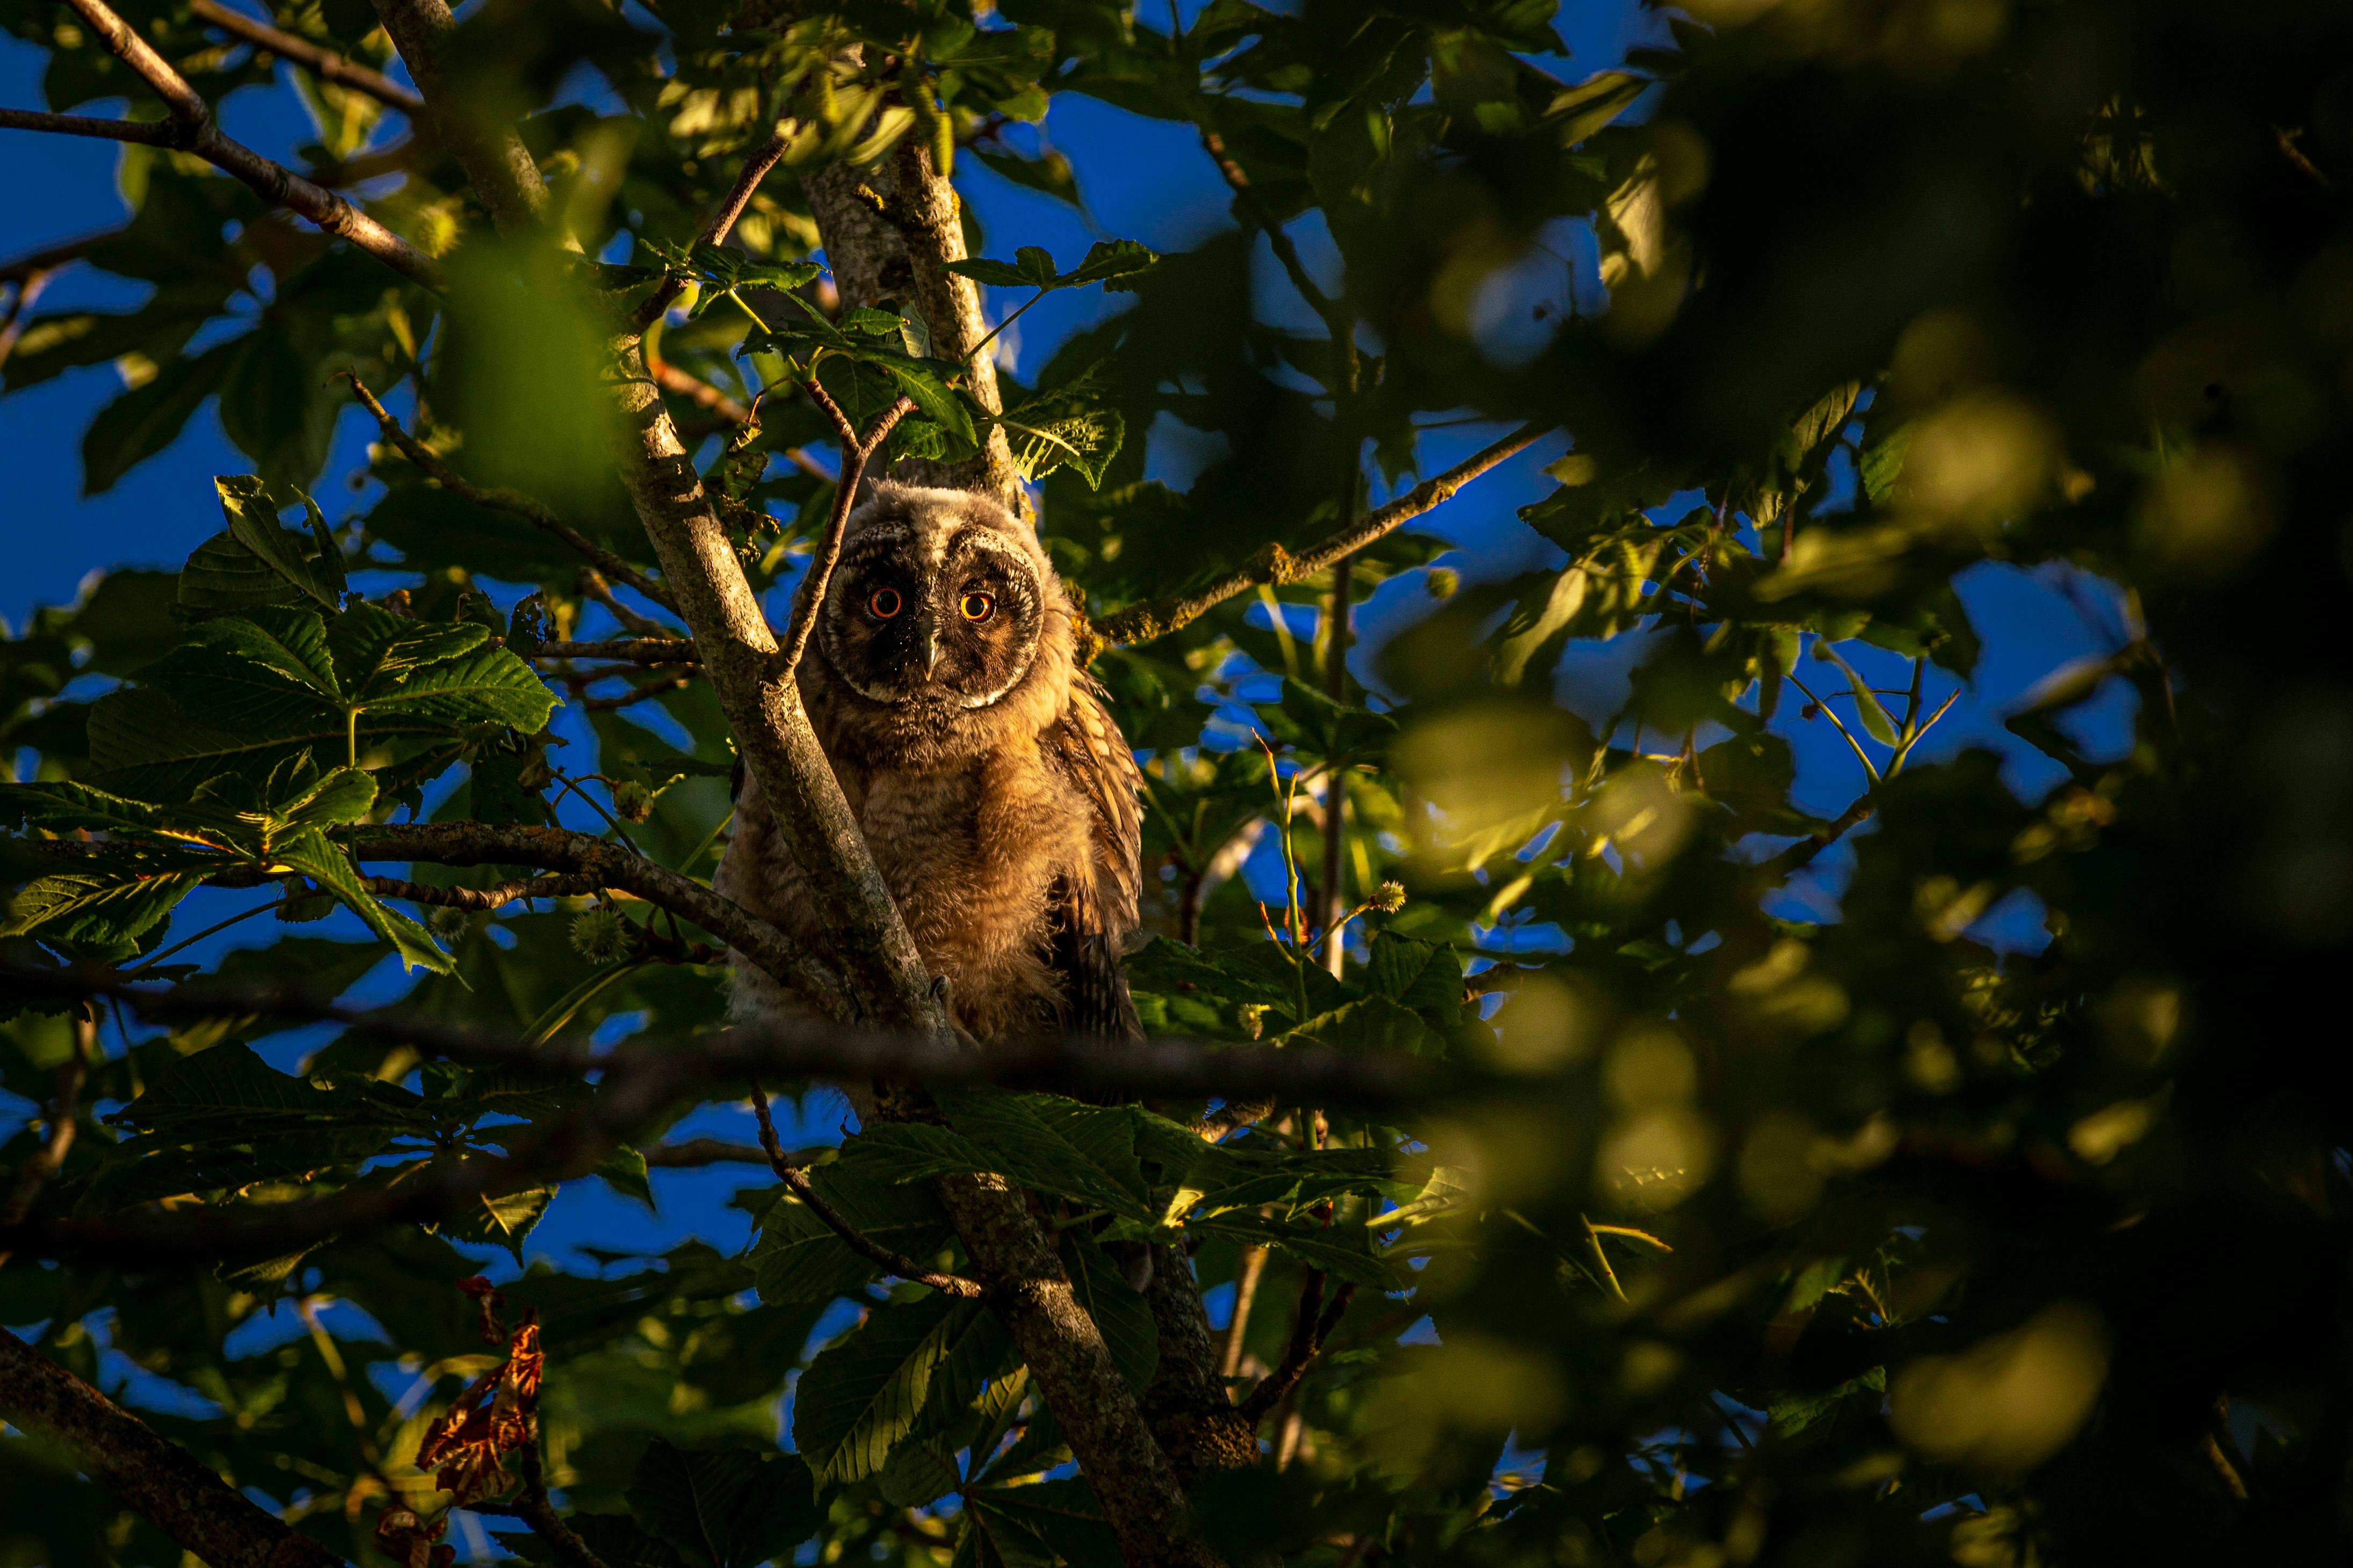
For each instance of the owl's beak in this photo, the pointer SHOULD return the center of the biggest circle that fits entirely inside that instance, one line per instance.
(929, 642)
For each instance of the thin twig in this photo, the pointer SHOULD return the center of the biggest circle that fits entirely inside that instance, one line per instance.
(695, 390)
(534, 1509)
(755, 168)
(1272, 564)
(42, 1165)
(501, 499)
(1314, 1325)
(895, 1264)
(630, 650)
(856, 451)
(324, 64)
(694, 1153)
(20, 310)
(645, 693)
(1335, 320)
(593, 585)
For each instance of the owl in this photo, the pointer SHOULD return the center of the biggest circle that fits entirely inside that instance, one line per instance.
(993, 788)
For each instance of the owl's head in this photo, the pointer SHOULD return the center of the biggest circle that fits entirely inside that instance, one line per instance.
(943, 620)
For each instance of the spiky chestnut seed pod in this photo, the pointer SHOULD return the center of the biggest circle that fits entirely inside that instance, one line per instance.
(447, 921)
(1443, 581)
(633, 800)
(1388, 898)
(601, 936)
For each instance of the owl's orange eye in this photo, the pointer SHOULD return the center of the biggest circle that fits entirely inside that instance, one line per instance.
(884, 604)
(978, 606)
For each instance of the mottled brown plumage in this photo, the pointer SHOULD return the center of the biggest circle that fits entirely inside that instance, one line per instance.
(994, 787)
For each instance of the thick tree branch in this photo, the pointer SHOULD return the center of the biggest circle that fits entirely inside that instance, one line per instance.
(1158, 617)
(323, 63)
(898, 1264)
(500, 498)
(159, 1481)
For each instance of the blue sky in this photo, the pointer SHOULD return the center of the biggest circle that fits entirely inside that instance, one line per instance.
(1141, 180)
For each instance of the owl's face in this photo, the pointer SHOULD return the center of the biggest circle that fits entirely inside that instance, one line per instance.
(938, 609)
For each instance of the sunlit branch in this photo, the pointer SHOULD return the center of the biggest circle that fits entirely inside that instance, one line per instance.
(324, 64)
(501, 499)
(1274, 565)
(191, 129)
(695, 390)
(755, 168)
(633, 650)
(856, 451)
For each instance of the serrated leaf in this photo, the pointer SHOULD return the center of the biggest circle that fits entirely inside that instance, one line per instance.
(1120, 1312)
(724, 1508)
(1108, 261)
(866, 1390)
(505, 1220)
(1343, 1250)
(103, 909)
(252, 506)
(309, 852)
(799, 1258)
(1089, 1156)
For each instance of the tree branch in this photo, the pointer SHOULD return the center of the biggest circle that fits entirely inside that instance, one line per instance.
(634, 650)
(159, 1481)
(610, 865)
(1158, 617)
(755, 168)
(635, 695)
(479, 899)
(644, 1081)
(49, 259)
(695, 1153)
(897, 1265)
(500, 498)
(856, 452)
(1312, 1326)
(695, 390)
(1335, 320)
(495, 162)
(148, 132)
(41, 1166)
(324, 64)
(191, 130)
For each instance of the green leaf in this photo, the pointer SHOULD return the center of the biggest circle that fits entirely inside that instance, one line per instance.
(309, 852)
(1344, 1249)
(502, 1221)
(1120, 1312)
(489, 685)
(372, 648)
(252, 507)
(1371, 1024)
(624, 1171)
(1109, 262)
(104, 908)
(146, 419)
(799, 1258)
(724, 1508)
(1039, 1524)
(1080, 1152)
(865, 1391)
(1876, 721)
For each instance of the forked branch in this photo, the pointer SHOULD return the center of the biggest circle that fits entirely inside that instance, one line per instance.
(856, 451)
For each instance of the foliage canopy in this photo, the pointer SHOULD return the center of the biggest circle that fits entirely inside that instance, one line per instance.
(1699, 1235)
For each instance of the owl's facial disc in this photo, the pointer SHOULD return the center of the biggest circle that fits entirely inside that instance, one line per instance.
(925, 618)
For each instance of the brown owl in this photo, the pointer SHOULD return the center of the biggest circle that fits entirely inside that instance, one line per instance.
(994, 791)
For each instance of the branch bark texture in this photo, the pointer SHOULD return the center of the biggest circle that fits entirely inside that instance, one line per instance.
(160, 1480)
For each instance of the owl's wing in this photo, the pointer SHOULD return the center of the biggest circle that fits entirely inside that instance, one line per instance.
(1096, 911)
